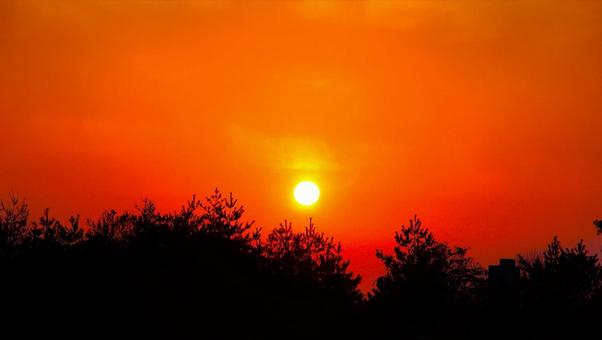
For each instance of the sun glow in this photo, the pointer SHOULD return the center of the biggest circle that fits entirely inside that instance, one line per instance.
(307, 193)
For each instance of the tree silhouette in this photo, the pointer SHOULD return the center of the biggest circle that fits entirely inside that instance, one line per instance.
(558, 288)
(192, 267)
(13, 221)
(200, 270)
(222, 217)
(313, 283)
(204, 272)
(425, 283)
(310, 254)
(110, 227)
(51, 232)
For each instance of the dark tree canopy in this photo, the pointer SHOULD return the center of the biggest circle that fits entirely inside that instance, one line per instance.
(421, 263)
(560, 287)
(425, 283)
(310, 255)
(13, 221)
(203, 271)
(570, 272)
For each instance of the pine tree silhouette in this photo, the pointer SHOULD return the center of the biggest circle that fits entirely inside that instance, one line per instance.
(559, 289)
(427, 286)
(203, 271)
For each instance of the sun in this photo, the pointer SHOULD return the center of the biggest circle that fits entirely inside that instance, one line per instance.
(307, 193)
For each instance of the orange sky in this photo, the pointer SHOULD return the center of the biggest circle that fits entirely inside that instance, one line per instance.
(483, 117)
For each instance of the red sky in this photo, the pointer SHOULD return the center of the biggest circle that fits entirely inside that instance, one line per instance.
(482, 117)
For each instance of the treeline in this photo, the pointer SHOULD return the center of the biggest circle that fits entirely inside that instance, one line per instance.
(203, 272)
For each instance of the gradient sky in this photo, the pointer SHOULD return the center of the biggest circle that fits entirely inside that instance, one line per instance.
(482, 117)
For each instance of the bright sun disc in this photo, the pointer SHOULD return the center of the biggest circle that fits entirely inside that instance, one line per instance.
(307, 193)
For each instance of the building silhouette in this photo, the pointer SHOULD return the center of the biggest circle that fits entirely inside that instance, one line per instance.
(504, 277)
(504, 290)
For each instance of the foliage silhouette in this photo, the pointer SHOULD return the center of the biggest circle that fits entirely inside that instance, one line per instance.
(426, 284)
(204, 272)
(13, 221)
(311, 255)
(559, 288)
(201, 271)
